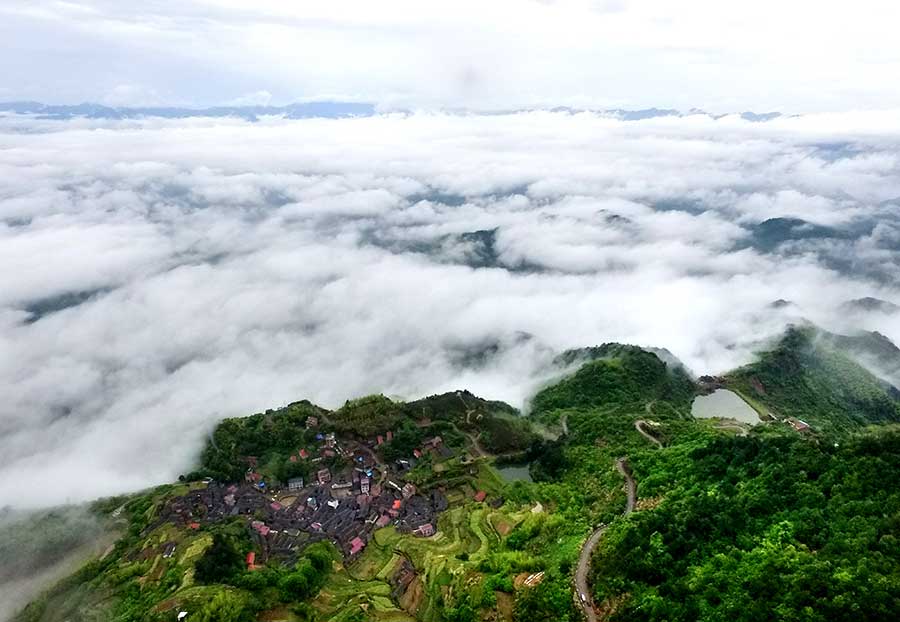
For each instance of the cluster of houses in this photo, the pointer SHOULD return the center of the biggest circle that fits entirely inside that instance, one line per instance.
(345, 505)
(334, 510)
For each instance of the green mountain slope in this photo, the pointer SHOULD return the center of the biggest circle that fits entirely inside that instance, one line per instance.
(809, 375)
(274, 436)
(759, 528)
(617, 376)
(875, 351)
(731, 523)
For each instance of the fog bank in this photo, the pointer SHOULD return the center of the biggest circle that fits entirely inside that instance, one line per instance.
(159, 275)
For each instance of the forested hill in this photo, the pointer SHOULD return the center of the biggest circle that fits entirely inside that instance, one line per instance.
(759, 527)
(760, 523)
(426, 510)
(274, 436)
(812, 375)
(616, 375)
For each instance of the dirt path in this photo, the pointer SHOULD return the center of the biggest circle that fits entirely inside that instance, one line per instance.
(468, 410)
(479, 450)
(639, 426)
(630, 485)
(582, 589)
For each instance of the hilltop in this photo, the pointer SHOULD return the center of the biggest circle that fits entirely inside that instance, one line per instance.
(390, 510)
(616, 375)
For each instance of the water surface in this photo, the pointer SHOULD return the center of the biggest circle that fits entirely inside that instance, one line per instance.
(725, 404)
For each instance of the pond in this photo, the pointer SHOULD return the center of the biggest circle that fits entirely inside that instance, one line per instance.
(515, 473)
(725, 404)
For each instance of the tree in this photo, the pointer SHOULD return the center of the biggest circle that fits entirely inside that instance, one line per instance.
(220, 562)
(551, 600)
(224, 607)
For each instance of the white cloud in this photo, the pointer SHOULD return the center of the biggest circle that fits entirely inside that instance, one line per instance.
(237, 266)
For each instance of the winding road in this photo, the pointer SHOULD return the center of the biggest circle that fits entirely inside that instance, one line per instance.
(630, 485)
(584, 565)
(639, 426)
(478, 449)
(582, 589)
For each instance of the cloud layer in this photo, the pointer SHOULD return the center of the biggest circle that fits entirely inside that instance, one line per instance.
(160, 275)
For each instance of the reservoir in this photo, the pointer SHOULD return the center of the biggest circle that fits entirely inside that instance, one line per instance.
(514, 473)
(725, 404)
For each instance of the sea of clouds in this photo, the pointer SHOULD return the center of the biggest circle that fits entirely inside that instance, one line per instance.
(159, 275)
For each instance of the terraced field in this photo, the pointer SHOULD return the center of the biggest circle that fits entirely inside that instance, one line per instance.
(465, 535)
(336, 600)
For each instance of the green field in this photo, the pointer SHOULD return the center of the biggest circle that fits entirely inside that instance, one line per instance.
(465, 536)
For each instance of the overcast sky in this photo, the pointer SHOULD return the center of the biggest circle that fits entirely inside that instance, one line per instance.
(797, 56)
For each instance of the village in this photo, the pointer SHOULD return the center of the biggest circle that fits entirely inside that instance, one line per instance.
(344, 503)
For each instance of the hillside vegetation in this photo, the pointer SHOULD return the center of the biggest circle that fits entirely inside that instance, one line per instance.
(732, 522)
(271, 437)
(621, 376)
(768, 526)
(760, 528)
(807, 376)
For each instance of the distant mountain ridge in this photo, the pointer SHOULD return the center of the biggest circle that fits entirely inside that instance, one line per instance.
(89, 110)
(319, 109)
(870, 304)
